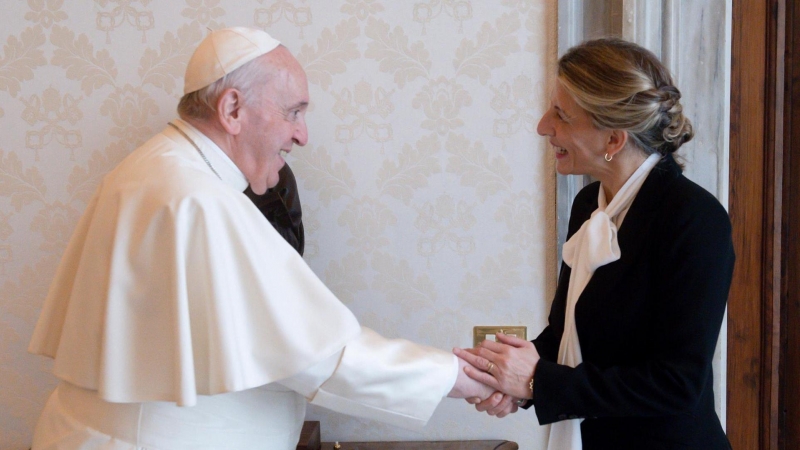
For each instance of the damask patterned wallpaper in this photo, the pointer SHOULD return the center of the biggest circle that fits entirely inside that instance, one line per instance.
(428, 197)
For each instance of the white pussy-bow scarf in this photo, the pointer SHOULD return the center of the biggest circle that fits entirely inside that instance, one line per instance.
(592, 246)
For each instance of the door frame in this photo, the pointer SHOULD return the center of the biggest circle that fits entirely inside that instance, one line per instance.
(763, 365)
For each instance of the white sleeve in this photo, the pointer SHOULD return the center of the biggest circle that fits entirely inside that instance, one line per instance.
(391, 380)
(307, 382)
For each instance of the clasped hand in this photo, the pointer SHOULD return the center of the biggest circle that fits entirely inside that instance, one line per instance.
(507, 366)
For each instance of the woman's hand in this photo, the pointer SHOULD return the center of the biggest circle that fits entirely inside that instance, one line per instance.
(498, 404)
(506, 365)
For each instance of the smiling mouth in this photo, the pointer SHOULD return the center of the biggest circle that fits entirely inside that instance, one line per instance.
(560, 150)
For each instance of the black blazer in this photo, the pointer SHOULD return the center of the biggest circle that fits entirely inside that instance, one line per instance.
(647, 324)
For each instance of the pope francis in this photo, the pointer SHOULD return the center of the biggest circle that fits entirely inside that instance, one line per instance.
(180, 319)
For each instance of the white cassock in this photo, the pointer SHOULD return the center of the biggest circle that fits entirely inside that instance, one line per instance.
(179, 318)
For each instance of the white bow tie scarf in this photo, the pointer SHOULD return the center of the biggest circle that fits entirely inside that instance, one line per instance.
(592, 246)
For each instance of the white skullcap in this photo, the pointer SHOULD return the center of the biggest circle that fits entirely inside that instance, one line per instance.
(222, 52)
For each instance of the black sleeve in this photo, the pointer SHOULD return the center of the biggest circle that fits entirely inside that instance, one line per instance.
(549, 339)
(281, 206)
(694, 254)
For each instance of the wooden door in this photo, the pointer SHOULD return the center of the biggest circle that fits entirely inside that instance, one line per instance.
(764, 305)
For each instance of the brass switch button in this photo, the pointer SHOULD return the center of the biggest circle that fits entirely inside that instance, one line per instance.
(481, 333)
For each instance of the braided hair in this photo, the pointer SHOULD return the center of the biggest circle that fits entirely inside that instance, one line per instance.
(625, 87)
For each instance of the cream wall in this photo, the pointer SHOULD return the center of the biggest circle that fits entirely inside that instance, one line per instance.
(428, 197)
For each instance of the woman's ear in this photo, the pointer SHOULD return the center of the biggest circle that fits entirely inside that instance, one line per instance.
(617, 139)
(229, 111)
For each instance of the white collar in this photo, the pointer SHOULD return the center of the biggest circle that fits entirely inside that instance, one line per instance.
(221, 163)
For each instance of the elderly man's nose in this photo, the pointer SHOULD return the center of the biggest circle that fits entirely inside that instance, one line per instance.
(301, 135)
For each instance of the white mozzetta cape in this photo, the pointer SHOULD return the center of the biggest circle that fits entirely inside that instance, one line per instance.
(174, 285)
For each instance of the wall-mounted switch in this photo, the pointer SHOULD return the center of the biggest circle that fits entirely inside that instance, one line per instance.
(481, 333)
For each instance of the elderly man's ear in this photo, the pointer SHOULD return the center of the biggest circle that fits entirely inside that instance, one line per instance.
(229, 110)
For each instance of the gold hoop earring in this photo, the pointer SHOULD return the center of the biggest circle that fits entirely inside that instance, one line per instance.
(608, 158)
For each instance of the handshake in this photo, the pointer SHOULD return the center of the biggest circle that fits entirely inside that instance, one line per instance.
(496, 376)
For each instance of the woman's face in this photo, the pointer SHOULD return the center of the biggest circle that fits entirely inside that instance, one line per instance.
(579, 145)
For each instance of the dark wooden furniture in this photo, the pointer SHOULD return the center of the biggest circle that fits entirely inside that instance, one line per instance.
(310, 440)
(309, 436)
(427, 445)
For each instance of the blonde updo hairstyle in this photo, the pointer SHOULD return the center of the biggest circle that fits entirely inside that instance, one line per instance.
(625, 87)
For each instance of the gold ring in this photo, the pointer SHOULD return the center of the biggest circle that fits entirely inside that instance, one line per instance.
(489, 367)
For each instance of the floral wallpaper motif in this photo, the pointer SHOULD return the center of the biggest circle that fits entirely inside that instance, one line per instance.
(428, 197)
(116, 13)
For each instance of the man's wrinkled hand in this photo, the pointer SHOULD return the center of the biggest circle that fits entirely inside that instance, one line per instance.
(468, 387)
(497, 404)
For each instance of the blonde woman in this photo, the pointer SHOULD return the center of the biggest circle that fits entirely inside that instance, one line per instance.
(625, 362)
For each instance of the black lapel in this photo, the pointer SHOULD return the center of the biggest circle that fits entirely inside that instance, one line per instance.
(633, 234)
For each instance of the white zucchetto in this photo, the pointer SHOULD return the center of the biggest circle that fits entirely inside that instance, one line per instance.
(222, 52)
